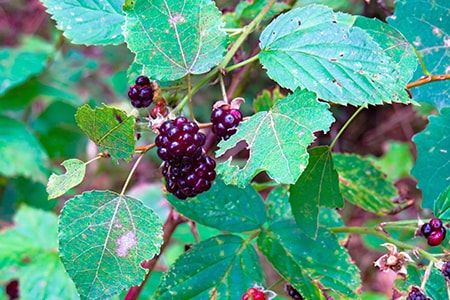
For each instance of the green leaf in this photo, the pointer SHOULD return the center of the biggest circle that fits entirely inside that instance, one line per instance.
(305, 262)
(222, 267)
(110, 128)
(103, 238)
(425, 24)
(394, 45)
(18, 65)
(435, 286)
(30, 248)
(364, 185)
(249, 9)
(267, 99)
(20, 152)
(174, 40)
(317, 186)
(88, 22)
(225, 207)
(432, 168)
(442, 205)
(314, 48)
(58, 185)
(278, 206)
(277, 139)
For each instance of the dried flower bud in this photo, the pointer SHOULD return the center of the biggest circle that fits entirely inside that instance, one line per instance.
(393, 260)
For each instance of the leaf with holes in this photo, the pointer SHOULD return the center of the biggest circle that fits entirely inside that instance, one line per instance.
(317, 187)
(103, 238)
(224, 207)
(277, 139)
(425, 24)
(174, 39)
(59, 184)
(432, 167)
(110, 128)
(364, 185)
(323, 51)
(88, 22)
(305, 263)
(222, 267)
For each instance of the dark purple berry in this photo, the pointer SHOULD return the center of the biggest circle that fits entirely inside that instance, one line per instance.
(142, 80)
(224, 122)
(426, 229)
(293, 293)
(416, 294)
(133, 92)
(12, 289)
(435, 223)
(436, 237)
(446, 270)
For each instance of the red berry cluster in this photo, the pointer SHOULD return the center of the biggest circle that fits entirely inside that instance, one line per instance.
(293, 293)
(224, 121)
(446, 270)
(141, 94)
(160, 108)
(434, 232)
(416, 294)
(188, 171)
(253, 294)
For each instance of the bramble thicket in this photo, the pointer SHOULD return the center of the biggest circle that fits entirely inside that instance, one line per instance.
(247, 150)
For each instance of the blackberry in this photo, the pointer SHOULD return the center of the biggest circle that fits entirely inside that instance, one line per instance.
(141, 94)
(293, 293)
(416, 294)
(426, 229)
(187, 170)
(12, 289)
(224, 122)
(446, 270)
(435, 223)
(436, 237)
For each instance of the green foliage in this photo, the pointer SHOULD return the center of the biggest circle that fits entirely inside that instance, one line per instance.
(327, 53)
(222, 267)
(103, 237)
(425, 24)
(433, 154)
(267, 99)
(305, 262)
(175, 40)
(317, 187)
(442, 205)
(59, 184)
(277, 139)
(110, 128)
(237, 210)
(28, 251)
(88, 22)
(434, 287)
(363, 185)
(20, 152)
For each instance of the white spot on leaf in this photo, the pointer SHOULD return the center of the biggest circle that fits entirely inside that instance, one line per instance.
(125, 242)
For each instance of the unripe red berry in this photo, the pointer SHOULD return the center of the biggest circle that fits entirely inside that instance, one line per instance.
(436, 237)
(435, 223)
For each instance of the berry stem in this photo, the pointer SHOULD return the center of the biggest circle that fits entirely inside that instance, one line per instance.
(100, 155)
(222, 88)
(144, 149)
(422, 63)
(385, 237)
(247, 31)
(427, 79)
(242, 63)
(345, 126)
(191, 109)
(131, 174)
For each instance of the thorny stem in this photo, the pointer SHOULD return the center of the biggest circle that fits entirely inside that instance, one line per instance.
(346, 125)
(172, 222)
(385, 237)
(426, 79)
(131, 174)
(247, 31)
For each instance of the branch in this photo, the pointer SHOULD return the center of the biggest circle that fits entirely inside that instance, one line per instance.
(426, 79)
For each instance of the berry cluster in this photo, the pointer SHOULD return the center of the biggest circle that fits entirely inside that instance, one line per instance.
(253, 294)
(293, 293)
(188, 171)
(416, 294)
(434, 232)
(446, 270)
(141, 94)
(224, 121)
(160, 108)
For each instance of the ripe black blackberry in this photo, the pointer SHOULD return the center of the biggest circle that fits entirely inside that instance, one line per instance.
(188, 171)
(293, 293)
(12, 289)
(416, 294)
(224, 121)
(141, 94)
(446, 270)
